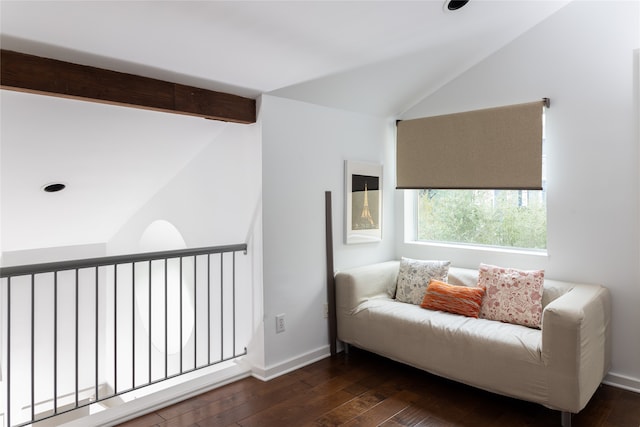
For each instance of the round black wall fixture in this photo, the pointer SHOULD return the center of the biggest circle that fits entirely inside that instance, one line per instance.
(54, 188)
(456, 4)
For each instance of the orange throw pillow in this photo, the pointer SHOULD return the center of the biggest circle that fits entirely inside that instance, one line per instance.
(464, 300)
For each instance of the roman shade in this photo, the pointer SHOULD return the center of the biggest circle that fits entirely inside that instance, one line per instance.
(495, 148)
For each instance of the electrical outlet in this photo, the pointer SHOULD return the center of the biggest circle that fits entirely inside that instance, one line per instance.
(279, 323)
(326, 310)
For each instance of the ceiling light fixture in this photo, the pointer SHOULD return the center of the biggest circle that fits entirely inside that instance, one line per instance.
(455, 4)
(54, 187)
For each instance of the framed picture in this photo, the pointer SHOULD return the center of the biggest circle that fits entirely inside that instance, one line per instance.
(363, 190)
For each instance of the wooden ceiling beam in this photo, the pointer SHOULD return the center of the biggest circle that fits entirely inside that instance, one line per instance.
(34, 74)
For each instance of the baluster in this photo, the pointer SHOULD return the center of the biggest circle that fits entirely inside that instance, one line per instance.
(115, 329)
(133, 325)
(150, 321)
(55, 342)
(166, 315)
(9, 351)
(97, 308)
(180, 313)
(33, 343)
(208, 309)
(77, 350)
(195, 313)
(233, 284)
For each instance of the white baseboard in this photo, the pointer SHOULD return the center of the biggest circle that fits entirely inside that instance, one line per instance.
(145, 404)
(292, 364)
(622, 381)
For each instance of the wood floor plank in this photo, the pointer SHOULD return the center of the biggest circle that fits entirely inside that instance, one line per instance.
(361, 404)
(328, 393)
(204, 412)
(624, 410)
(378, 388)
(349, 410)
(434, 422)
(305, 408)
(409, 417)
(151, 419)
(237, 405)
(244, 385)
(253, 405)
(382, 412)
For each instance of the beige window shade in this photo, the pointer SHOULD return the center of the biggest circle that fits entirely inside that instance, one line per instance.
(496, 148)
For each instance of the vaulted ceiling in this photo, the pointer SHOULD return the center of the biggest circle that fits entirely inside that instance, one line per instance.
(372, 57)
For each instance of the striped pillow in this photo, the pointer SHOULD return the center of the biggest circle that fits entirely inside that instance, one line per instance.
(464, 300)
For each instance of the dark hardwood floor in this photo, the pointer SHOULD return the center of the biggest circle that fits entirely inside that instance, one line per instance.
(363, 389)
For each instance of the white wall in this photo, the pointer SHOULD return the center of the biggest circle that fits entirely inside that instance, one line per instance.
(583, 59)
(55, 254)
(212, 201)
(215, 200)
(304, 148)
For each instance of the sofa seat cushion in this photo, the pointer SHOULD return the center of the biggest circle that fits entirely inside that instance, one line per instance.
(479, 352)
(452, 330)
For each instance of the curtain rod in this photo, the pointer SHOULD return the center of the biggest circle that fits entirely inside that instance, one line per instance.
(545, 101)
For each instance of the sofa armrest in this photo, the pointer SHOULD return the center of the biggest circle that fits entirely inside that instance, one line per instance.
(357, 285)
(576, 344)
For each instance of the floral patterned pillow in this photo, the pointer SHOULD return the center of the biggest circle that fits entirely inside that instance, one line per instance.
(511, 295)
(414, 277)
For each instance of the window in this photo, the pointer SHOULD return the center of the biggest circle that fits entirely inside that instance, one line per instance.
(502, 218)
(506, 218)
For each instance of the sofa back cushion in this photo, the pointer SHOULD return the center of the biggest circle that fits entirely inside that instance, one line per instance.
(554, 289)
(463, 276)
(469, 277)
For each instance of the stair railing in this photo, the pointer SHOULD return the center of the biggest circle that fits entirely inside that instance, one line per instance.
(85, 331)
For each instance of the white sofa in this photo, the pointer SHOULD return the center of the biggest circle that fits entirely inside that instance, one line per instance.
(559, 366)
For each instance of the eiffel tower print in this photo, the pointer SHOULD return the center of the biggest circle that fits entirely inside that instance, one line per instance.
(365, 216)
(365, 199)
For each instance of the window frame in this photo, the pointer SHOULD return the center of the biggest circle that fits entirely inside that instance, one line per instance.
(411, 233)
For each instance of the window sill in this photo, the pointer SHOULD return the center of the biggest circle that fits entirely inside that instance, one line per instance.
(480, 248)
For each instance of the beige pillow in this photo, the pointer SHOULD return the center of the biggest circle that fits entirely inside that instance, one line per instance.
(414, 277)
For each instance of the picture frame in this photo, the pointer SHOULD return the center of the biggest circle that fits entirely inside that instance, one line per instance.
(363, 204)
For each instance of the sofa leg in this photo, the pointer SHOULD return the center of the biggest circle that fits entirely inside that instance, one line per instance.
(565, 418)
(346, 348)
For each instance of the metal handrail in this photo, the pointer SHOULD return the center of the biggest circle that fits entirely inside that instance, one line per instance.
(202, 254)
(48, 267)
